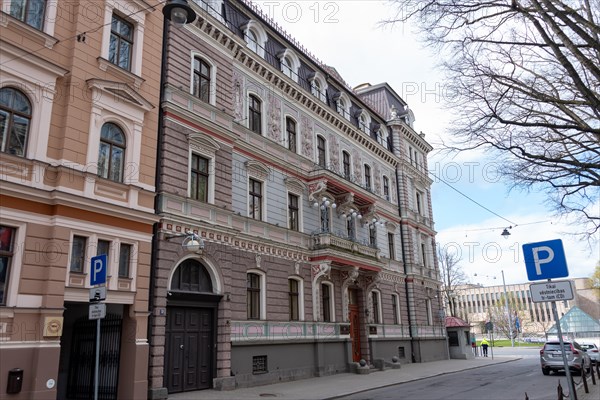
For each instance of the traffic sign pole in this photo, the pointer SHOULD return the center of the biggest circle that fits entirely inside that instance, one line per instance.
(96, 370)
(562, 351)
(97, 278)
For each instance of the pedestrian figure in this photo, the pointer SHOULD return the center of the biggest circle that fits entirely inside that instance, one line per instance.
(484, 346)
(474, 345)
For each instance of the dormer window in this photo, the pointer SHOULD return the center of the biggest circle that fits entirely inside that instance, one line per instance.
(343, 105)
(289, 64)
(255, 37)
(318, 86)
(364, 122)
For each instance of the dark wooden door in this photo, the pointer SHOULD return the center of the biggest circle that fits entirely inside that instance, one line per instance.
(189, 349)
(354, 332)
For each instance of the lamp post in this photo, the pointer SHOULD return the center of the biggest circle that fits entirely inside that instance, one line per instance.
(324, 206)
(510, 331)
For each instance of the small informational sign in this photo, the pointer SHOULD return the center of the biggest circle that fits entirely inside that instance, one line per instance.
(97, 311)
(551, 291)
(98, 293)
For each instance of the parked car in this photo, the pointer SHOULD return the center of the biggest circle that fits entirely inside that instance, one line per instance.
(551, 357)
(592, 350)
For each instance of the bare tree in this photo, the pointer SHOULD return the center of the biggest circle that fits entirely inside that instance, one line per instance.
(524, 80)
(500, 316)
(452, 276)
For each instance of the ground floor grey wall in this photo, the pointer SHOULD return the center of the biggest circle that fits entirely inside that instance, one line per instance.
(287, 361)
(431, 350)
(386, 349)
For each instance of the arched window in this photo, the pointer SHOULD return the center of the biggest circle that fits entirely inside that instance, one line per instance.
(363, 122)
(191, 276)
(15, 118)
(318, 86)
(252, 40)
(255, 114)
(290, 63)
(201, 84)
(111, 155)
(255, 37)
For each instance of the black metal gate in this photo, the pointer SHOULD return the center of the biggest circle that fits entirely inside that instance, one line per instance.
(80, 384)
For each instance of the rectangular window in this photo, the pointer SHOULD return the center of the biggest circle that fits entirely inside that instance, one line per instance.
(429, 312)
(103, 248)
(255, 114)
(326, 302)
(372, 235)
(386, 188)
(367, 177)
(7, 239)
(321, 149)
(395, 309)
(391, 246)
(291, 134)
(255, 200)
(78, 254)
(351, 228)
(259, 365)
(420, 203)
(124, 260)
(199, 177)
(375, 299)
(293, 294)
(29, 11)
(121, 42)
(423, 255)
(294, 215)
(253, 296)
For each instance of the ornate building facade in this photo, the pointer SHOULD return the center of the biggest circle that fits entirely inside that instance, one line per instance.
(295, 235)
(79, 101)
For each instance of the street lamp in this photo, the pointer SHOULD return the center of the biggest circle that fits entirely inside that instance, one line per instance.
(191, 242)
(325, 205)
(178, 12)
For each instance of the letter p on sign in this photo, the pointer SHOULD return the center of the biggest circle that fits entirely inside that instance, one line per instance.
(545, 260)
(98, 270)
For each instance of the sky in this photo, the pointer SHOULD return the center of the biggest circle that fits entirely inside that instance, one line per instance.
(347, 35)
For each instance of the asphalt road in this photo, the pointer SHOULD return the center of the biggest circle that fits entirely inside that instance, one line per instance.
(508, 381)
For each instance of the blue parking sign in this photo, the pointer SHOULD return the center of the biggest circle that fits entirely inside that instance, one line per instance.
(98, 270)
(545, 260)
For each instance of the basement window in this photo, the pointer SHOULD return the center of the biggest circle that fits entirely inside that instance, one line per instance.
(259, 365)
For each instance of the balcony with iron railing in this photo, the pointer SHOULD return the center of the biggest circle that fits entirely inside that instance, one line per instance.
(327, 240)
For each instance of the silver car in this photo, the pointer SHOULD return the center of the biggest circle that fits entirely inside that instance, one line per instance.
(592, 350)
(551, 357)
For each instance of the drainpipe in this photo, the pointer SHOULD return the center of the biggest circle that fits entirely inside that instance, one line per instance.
(158, 187)
(409, 299)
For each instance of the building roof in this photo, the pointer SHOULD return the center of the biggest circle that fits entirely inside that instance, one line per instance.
(455, 322)
(576, 321)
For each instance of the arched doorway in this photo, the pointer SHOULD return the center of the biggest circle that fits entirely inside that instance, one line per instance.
(191, 330)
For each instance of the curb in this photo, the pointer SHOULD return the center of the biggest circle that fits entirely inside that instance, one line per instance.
(339, 396)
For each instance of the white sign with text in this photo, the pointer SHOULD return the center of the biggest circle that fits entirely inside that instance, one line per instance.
(551, 291)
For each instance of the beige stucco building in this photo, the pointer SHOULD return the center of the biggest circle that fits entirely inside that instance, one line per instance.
(79, 90)
(473, 303)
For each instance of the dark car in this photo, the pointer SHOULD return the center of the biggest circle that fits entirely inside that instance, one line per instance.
(551, 357)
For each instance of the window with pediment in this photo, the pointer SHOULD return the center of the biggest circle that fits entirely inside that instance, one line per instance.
(31, 12)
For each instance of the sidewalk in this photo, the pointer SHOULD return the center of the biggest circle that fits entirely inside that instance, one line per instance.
(338, 385)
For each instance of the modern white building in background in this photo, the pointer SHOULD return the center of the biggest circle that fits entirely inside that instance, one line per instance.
(473, 303)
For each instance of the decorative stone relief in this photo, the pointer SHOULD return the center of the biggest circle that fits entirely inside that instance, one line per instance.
(258, 261)
(307, 130)
(238, 96)
(315, 190)
(318, 271)
(274, 115)
(358, 169)
(377, 178)
(348, 278)
(393, 190)
(297, 268)
(334, 153)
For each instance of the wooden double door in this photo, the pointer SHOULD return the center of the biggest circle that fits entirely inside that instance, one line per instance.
(190, 348)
